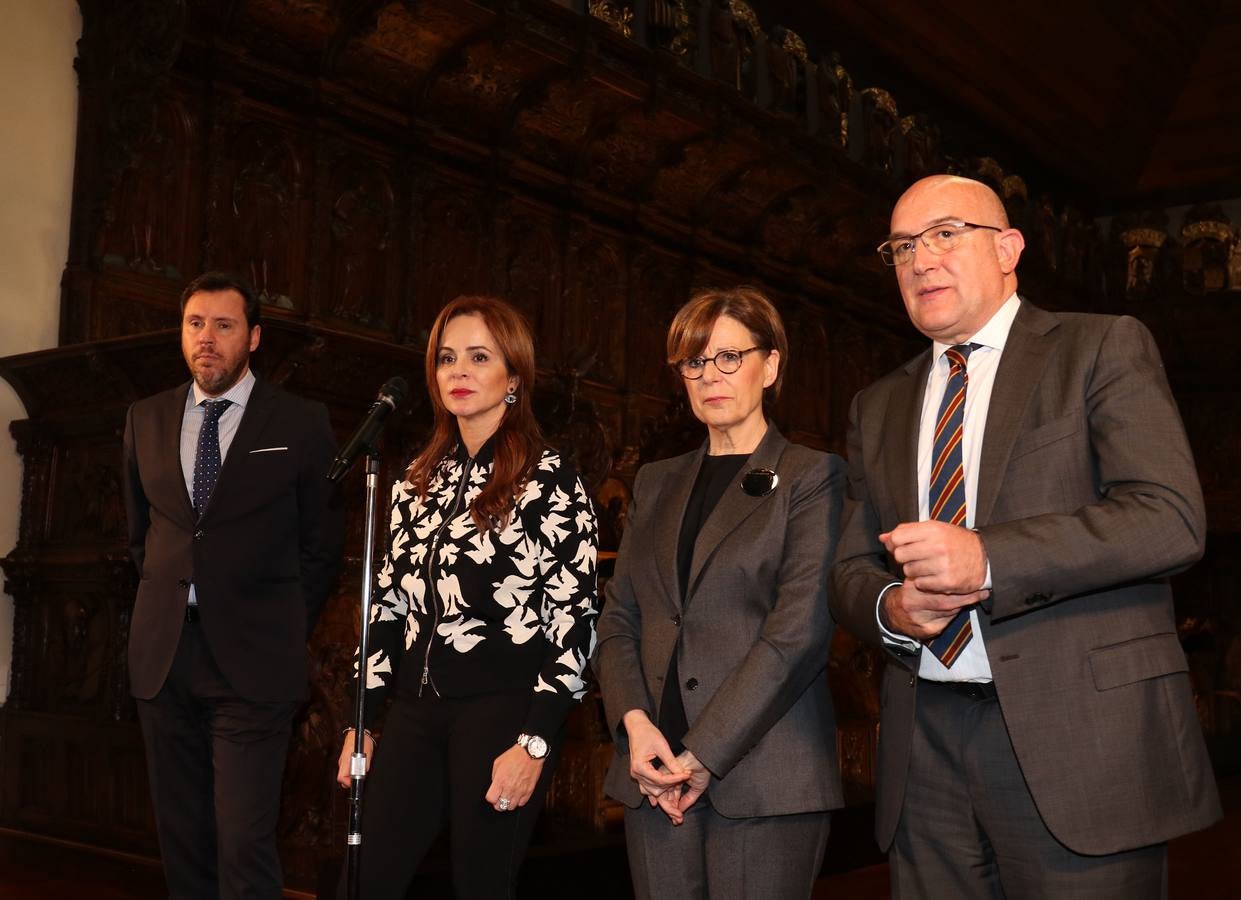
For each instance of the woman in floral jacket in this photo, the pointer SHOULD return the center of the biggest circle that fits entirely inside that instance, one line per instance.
(482, 621)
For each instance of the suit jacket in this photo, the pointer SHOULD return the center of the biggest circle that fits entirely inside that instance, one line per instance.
(263, 556)
(752, 634)
(1088, 500)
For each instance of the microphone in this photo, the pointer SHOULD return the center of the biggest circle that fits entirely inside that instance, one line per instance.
(391, 395)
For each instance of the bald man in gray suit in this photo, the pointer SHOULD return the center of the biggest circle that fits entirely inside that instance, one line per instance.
(1038, 733)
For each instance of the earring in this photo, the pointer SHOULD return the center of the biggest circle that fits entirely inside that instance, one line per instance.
(510, 398)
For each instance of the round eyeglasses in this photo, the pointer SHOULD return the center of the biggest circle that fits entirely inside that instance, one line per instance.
(726, 361)
(939, 239)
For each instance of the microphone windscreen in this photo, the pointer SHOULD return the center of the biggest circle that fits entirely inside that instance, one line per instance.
(395, 389)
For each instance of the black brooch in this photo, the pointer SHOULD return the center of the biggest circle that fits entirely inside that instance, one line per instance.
(759, 482)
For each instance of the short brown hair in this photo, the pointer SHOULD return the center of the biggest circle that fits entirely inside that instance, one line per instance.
(691, 328)
(218, 282)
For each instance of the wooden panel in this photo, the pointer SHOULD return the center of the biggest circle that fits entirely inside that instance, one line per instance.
(531, 260)
(452, 252)
(359, 234)
(152, 223)
(261, 197)
(592, 335)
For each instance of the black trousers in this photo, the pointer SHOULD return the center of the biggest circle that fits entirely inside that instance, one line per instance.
(433, 766)
(215, 762)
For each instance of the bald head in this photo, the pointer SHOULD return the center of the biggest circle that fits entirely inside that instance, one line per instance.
(955, 190)
(951, 294)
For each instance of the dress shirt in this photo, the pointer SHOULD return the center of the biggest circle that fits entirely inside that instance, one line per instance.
(989, 341)
(192, 423)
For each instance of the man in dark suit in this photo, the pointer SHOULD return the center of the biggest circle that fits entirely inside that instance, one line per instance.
(237, 537)
(1018, 495)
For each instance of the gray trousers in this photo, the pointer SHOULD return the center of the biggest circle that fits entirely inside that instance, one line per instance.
(970, 829)
(712, 856)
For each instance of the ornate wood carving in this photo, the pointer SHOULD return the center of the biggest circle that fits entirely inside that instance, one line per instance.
(360, 268)
(453, 250)
(260, 208)
(809, 367)
(150, 226)
(124, 72)
(532, 270)
(659, 288)
(592, 336)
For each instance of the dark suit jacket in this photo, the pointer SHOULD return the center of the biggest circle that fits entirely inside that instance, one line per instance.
(1088, 500)
(263, 557)
(753, 632)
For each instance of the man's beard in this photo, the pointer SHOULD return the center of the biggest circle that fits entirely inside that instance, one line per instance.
(216, 381)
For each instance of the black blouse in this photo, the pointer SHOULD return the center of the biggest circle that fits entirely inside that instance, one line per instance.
(714, 477)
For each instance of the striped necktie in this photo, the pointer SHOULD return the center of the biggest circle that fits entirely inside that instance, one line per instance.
(947, 486)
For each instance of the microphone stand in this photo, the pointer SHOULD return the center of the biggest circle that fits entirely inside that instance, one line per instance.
(357, 761)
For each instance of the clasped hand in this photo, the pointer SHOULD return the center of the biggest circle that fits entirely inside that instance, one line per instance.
(681, 780)
(944, 566)
(680, 797)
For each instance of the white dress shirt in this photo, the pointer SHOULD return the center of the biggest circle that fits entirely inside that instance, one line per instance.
(984, 360)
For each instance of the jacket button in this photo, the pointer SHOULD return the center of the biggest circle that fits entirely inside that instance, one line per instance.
(692, 684)
(198, 535)
(676, 620)
(183, 582)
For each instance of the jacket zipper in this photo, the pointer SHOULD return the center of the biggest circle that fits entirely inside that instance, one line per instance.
(435, 604)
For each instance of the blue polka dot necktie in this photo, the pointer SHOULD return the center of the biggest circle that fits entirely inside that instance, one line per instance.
(207, 458)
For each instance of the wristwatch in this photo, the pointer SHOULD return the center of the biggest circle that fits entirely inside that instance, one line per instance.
(533, 744)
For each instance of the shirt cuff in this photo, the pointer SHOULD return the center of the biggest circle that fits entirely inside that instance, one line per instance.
(891, 638)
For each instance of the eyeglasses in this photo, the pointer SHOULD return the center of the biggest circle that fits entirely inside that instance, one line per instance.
(726, 361)
(939, 239)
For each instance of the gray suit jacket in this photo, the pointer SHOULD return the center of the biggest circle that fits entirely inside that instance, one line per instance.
(752, 635)
(1088, 500)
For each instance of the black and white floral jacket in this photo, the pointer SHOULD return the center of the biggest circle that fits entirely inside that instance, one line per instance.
(459, 612)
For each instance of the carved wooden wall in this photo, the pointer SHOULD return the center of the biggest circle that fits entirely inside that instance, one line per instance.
(362, 162)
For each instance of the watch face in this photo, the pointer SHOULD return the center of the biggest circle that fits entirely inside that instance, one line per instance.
(536, 747)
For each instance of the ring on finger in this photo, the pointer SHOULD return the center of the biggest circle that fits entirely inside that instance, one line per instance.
(504, 804)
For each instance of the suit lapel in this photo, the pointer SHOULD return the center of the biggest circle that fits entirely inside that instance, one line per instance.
(1025, 355)
(673, 498)
(170, 440)
(258, 410)
(902, 421)
(736, 505)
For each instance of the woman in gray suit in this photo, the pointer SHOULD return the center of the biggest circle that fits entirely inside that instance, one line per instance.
(714, 638)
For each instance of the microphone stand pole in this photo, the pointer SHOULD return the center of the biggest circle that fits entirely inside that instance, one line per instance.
(357, 761)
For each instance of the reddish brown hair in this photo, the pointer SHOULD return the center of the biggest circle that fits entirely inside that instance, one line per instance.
(518, 441)
(691, 327)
